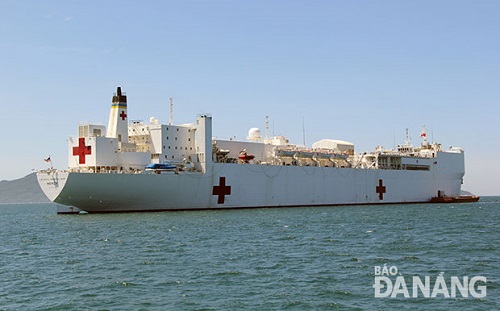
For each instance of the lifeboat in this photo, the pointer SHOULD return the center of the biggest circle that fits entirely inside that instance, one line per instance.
(244, 157)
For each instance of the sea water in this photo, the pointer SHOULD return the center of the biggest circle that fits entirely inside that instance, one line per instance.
(323, 258)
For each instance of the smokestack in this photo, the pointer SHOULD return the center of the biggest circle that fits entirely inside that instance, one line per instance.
(118, 123)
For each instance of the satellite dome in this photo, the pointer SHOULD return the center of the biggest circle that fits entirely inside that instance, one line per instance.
(254, 133)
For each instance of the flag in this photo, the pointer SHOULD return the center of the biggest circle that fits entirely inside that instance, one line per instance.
(424, 134)
(48, 159)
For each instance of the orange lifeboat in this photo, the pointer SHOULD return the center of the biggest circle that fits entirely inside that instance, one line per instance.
(244, 157)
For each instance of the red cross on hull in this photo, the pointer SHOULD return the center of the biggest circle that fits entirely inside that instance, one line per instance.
(81, 151)
(123, 115)
(380, 189)
(222, 190)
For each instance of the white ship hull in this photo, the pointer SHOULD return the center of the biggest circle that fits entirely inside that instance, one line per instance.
(251, 186)
(157, 167)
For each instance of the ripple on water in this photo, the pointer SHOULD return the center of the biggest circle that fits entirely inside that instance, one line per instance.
(262, 259)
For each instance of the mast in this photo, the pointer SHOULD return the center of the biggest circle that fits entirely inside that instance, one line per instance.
(423, 135)
(267, 127)
(171, 111)
(303, 132)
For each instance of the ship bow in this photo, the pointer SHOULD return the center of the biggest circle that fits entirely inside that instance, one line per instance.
(52, 182)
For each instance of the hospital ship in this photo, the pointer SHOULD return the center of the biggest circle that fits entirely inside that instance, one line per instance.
(134, 166)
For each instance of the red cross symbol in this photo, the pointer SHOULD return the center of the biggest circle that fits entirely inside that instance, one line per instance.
(380, 189)
(82, 150)
(222, 190)
(123, 115)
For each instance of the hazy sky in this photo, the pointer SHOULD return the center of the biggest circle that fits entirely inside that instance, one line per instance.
(360, 71)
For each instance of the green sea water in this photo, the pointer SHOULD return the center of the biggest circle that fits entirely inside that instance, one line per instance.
(321, 258)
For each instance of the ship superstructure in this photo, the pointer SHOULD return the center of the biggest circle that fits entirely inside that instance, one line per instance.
(138, 166)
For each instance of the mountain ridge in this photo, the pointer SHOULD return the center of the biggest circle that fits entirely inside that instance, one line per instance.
(22, 190)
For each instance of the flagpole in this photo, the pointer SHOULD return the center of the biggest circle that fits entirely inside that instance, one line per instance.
(49, 160)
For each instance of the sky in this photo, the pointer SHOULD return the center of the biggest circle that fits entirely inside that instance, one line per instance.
(359, 71)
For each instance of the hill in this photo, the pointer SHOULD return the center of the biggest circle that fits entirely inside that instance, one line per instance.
(22, 190)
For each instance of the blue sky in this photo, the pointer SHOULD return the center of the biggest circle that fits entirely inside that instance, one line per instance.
(361, 71)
